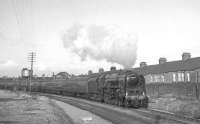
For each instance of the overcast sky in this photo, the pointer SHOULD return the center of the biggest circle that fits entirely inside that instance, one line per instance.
(163, 28)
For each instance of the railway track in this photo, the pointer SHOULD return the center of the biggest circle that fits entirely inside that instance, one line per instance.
(119, 115)
(116, 117)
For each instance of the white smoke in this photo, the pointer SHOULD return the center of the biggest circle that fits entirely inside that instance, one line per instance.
(102, 42)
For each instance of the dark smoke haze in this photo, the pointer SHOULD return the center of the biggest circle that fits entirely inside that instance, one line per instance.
(102, 42)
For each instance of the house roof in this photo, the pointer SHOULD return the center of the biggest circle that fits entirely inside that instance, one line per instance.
(173, 66)
(63, 74)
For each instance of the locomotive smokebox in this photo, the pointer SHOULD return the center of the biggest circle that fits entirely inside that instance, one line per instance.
(112, 68)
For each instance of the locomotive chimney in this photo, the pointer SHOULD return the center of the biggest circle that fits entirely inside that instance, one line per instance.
(186, 56)
(89, 72)
(101, 70)
(112, 68)
(162, 60)
(143, 64)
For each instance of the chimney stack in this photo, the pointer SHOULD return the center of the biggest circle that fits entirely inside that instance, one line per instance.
(186, 56)
(112, 68)
(89, 72)
(101, 70)
(143, 64)
(162, 60)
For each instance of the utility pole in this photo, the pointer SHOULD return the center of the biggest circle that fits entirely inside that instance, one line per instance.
(31, 59)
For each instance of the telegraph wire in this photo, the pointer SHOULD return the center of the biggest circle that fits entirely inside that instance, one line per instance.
(17, 18)
(20, 10)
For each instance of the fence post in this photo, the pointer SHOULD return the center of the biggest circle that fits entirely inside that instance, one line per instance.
(158, 90)
(197, 86)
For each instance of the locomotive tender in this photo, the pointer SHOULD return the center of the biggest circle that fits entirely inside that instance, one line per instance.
(118, 87)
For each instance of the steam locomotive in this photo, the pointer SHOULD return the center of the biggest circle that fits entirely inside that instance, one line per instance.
(119, 87)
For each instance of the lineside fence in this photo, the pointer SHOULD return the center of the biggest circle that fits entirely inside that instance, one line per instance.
(182, 90)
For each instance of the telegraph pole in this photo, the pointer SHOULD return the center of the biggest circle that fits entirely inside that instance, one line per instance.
(31, 59)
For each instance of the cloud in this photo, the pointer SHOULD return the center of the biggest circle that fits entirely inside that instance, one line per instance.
(7, 63)
(108, 43)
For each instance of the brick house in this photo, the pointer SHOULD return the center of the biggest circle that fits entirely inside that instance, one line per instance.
(185, 70)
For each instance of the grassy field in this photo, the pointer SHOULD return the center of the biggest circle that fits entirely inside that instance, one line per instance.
(20, 108)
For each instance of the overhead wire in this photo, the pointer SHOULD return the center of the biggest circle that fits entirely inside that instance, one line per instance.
(4, 29)
(21, 17)
(23, 12)
(18, 22)
(32, 18)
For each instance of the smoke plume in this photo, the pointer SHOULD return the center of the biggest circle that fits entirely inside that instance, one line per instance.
(102, 42)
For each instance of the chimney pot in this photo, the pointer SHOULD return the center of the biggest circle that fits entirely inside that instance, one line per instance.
(162, 60)
(101, 70)
(89, 72)
(186, 56)
(112, 68)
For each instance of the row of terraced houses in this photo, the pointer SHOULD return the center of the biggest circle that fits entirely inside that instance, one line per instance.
(177, 78)
(185, 70)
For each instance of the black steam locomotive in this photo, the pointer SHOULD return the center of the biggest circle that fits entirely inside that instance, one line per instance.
(118, 87)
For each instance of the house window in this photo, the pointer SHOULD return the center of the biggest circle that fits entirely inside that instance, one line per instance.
(151, 79)
(188, 77)
(180, 76)
(174, 77)
(156, 78)
(162, 78)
